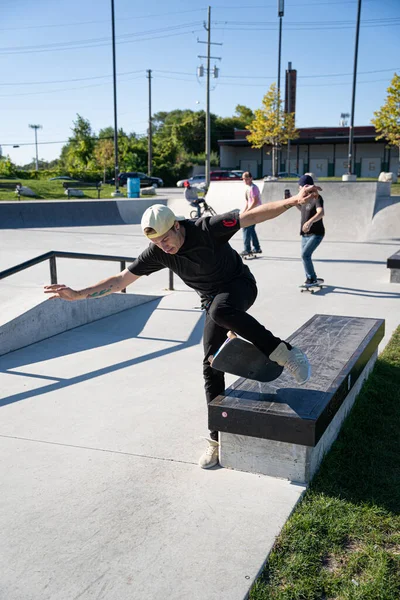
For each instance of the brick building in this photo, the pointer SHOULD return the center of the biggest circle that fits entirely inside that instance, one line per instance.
(320, 150)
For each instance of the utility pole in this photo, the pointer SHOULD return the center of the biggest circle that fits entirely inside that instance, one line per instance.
(208, 58)
(116, 167)
(275, 168)
(288, 91)
(36, 127)
(150, 132)
(350, 165)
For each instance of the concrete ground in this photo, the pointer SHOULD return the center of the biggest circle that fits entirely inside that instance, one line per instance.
(100, 431)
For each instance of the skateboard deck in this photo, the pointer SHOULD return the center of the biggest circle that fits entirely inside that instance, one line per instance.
(238, 357)
(249, 256)
(315, 287)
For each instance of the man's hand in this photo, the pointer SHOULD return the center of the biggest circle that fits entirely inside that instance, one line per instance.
(306, 193)
(61, 291)
(306, 227)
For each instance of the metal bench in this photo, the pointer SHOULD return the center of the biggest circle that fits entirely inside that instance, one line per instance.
(11, 185)
(393, 263)
(282, 429)
(77, 185)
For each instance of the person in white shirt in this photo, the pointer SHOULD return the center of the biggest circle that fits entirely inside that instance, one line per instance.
(253, 199)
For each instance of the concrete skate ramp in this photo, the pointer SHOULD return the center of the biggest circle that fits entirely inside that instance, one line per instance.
(50, 318)
(73, 213)
(354, 212)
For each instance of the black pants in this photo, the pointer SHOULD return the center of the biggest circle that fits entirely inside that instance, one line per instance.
(227, 312)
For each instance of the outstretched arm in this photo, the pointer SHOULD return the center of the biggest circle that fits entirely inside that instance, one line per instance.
(113, 284)
(274, 209)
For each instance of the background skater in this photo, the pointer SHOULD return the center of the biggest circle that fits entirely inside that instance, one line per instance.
(312, 230)
(192, 196)
(198, 251)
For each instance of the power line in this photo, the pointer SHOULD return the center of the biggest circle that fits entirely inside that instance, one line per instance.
(393, 69)
(72, 80)
(96, 42)
(82, 87)
(135, 18)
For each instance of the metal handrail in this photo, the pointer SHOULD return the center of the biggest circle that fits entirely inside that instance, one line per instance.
(53, 254)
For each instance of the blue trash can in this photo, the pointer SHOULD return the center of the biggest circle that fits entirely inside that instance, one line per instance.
(133, 187)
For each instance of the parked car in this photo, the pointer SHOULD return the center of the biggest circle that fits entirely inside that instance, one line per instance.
(195, 181)
(199, 180)
(237, 172)
(224, 176)
(145, 180)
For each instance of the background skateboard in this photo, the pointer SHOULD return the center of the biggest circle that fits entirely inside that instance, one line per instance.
(238, 357)
(315, 287)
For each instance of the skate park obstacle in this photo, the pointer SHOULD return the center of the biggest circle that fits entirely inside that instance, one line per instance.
(393, 263)
(282, 429)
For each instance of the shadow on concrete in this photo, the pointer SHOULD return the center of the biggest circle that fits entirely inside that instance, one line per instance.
(337, 289)
(322, 260)
(125, 330)
(357, 292)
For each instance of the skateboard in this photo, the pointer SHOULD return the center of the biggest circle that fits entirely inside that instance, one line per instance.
(238, 357)
(249, 256)
(312, 287)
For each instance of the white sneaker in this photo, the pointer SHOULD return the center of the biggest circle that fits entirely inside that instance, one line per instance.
(209, 458)
(294, 360)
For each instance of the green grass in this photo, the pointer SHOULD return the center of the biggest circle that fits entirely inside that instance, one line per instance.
(53, 190)
(343, 540)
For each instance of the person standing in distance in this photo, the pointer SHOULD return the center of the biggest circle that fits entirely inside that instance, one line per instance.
(312, 230)
(253, 199)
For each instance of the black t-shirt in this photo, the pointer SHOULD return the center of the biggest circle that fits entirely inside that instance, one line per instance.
(309, 210)
(206, 261)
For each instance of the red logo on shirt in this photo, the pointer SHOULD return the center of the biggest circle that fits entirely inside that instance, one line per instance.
(229, 222)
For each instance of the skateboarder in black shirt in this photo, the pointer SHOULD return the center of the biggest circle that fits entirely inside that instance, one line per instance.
(198, 251)
(312, 231)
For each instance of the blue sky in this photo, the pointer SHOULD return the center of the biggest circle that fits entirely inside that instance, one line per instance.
(56, 61)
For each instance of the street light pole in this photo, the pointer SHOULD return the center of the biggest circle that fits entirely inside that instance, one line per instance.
(150, 133)
(36, 127)
(350, 165)
(116, 167)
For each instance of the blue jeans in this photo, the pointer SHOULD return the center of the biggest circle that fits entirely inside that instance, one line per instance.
(196, 204)
(250, 238)
(309, 243)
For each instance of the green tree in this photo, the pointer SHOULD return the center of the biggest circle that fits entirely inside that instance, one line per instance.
(387, 119)
(244, 113)
(7, 167)
(104, 156)
(79, 152)
(271, 126)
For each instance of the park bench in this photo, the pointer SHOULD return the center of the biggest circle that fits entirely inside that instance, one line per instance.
(282, 429)
(393, 263)
(78, 185)
(11, 185)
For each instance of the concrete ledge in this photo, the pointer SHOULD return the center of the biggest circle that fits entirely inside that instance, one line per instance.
(281, 459)
(73, 213)
(281, 429)
(52, 317)
(393, 263)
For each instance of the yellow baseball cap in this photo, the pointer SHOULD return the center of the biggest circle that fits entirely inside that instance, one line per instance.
(160, 218)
